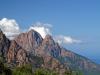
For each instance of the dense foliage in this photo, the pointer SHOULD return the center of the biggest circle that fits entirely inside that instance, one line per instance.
(27, 70)
(23, 70)
(4, 70)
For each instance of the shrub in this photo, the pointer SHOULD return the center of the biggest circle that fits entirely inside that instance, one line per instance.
(23, 70)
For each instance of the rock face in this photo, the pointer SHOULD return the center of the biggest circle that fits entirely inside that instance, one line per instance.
(4, 45)
(11, 51)
(29, 40)
(33, 43)
(75, 61)
(29, 47)
(49, 47)
(16, 54)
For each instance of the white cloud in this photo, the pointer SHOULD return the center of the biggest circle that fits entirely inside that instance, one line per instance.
(10, 27)
(45, 29)
(42, 29)
(66, 40)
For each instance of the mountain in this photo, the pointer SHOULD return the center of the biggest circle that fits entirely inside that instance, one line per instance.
(4, 45)
(66, 57)
(32, 42)
(31, 48)
(29, 40)
(48, 47)
(16, 55)
(75, 61)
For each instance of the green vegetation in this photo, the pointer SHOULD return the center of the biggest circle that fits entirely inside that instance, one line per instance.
(27, 70)
(77, 73)
(42, 71)
(23, 70)
(4, 70)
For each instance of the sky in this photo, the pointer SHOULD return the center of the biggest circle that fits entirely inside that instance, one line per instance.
(76, 23)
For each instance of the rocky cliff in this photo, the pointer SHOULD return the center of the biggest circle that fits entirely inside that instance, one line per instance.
(16, 55)
(4, 45)
(31, 48)
(29, 40)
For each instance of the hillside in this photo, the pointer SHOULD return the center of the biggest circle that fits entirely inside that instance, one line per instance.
(31, 48)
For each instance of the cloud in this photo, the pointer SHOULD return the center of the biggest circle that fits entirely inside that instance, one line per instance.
(61, 39)
(10, 27)
(42, 29)
(45, 29)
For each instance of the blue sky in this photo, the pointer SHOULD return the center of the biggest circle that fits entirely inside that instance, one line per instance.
(76, 18)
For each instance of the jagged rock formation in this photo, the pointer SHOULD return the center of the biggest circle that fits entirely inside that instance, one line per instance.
(76, 61)
(49, 47)
(67, 58)
(4, 45)
(29, 40)
(29, 47)
(16, 54)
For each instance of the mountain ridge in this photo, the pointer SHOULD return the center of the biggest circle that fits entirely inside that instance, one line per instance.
(26, 46)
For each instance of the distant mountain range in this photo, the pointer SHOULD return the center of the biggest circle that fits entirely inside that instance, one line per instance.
(31, 48)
